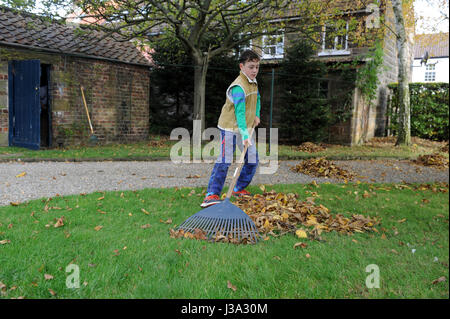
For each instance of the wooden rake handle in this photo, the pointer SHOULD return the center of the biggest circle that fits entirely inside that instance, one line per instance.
(87, 112)
(237, 172)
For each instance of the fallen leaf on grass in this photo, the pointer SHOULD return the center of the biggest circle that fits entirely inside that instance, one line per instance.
(308, 256)
(192, 192)
(101, 198)
(169, 221)
(15, 203)
(145, 212)
(440, 279)
(145, 226)
(230, 286)
(59, 222)
(97, 228)
(48, 277)
(52, 292)
(21, 174)
(4, 242)
(302, 245)
(301, 234)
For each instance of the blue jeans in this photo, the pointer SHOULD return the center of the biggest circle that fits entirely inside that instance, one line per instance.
(223, 162)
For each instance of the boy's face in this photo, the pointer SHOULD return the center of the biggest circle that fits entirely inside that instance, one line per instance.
(250, 68)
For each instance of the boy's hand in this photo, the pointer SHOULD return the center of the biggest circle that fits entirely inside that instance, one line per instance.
(256, 121)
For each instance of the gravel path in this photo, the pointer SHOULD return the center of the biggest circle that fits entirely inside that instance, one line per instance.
(46, 179)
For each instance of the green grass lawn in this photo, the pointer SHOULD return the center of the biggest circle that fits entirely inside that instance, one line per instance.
(124, 260)
(159, 147)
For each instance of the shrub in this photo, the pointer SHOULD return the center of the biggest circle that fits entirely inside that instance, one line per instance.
(429, 110)
(305, 110)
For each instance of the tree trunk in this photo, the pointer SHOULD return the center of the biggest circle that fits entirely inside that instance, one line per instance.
(201, 67)
(404, 130)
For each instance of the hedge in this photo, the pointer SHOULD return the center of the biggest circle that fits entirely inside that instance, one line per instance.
(429, 110)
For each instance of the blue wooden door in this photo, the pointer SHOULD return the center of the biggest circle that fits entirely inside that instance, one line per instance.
(24, 106)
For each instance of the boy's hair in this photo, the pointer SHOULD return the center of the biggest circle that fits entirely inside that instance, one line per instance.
(248, 55)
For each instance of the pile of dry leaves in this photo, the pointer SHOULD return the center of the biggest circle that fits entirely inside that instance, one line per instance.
(435, 160)
(379, 142)
(202, 235)
(277, 214)
(309, 147)
(444, 148)
(180, 233)
(436, 187)
(320, 167)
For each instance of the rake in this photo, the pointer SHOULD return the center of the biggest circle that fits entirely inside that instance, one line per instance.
(92, 139)
(225, 219)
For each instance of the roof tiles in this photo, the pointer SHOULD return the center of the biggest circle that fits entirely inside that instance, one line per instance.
(31, 30)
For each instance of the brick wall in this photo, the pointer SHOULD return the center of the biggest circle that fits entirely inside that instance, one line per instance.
(117, 96)
(3, 103)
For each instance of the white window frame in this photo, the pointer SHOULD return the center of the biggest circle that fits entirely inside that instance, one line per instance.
(430, 76)
(243, 47)
(334, 51)
(430, 72)
(277, 55)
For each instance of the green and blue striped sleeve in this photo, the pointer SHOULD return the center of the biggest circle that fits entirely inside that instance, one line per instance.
(238, 96)
(258, 105)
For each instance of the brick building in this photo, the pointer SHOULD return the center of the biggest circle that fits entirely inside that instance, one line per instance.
(367, 119)
(43, 66)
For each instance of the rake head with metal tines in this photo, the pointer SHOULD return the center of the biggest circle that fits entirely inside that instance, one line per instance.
(225, 219)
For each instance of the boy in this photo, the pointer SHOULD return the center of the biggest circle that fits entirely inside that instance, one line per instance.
(241, 111)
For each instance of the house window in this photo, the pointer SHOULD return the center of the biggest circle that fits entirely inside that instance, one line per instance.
(247, 45)
(333, 42)
(430, 73)
(273, 46)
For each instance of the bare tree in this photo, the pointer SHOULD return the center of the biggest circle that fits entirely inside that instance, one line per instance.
(231, 22)
(404, 64)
